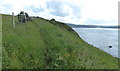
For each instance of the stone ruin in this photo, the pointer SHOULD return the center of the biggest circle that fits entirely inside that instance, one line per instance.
(23, 17)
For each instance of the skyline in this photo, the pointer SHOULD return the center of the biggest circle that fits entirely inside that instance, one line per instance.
(91, 12)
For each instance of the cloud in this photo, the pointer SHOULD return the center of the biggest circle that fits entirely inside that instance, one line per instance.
(6, 8)
(34, 9)
(72, 11)
(101, 22)
(100, 9)
(75, 9)
(56, 9)
(63, 9)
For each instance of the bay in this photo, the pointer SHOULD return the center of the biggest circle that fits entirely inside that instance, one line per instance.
(101, 38)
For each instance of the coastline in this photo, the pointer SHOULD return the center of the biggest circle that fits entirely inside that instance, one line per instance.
(92, 43)
(49, 44)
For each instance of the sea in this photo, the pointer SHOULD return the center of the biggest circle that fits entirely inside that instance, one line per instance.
(101, 38)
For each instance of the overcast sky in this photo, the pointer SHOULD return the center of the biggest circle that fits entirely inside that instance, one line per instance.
(97, 12)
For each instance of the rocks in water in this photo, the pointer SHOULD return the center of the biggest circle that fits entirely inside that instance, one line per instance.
(110, 46)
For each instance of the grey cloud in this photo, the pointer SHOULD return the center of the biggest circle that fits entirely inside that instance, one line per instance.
(94, 21)
(35, 9)
(7, 5)
(75, 9)
(58, 6)
(6, 8)
(57, 9)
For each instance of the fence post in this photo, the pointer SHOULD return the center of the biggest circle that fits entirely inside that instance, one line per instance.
(13, 21)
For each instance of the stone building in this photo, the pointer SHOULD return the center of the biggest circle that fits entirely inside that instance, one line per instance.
(23, 17)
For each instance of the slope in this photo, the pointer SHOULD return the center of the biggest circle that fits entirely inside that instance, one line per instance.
(48, 44)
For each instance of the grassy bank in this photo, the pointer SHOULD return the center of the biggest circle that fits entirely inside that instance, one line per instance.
(48, 44)
(0, 41)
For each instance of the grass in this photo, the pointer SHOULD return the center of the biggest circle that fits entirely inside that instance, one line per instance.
(0, 41)
(45, 44)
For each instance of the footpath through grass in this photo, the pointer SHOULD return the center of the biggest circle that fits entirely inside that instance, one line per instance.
(44, 44)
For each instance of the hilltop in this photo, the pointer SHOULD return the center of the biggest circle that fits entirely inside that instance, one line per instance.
(49, 44)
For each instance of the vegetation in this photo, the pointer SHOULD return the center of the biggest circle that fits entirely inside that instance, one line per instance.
(48, 44)
(0, 41)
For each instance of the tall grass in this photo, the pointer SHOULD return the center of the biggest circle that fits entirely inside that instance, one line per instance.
(44, 44)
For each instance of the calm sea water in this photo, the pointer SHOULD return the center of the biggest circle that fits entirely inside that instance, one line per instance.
(101, 38)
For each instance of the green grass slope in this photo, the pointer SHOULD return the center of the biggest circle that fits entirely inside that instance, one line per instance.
(44, 44)
(0, 41)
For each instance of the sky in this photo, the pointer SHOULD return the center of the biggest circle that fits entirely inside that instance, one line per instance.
(90, 12)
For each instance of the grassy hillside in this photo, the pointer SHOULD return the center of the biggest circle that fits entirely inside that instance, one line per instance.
(48, 44)
(0, 41)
